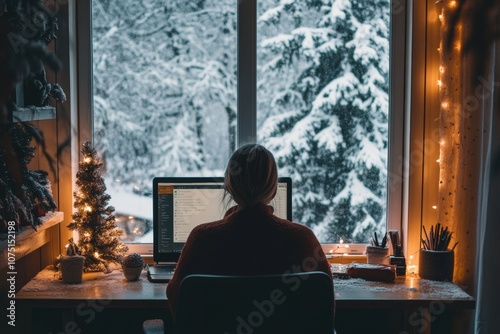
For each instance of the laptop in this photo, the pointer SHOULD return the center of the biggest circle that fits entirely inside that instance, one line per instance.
(182, 203)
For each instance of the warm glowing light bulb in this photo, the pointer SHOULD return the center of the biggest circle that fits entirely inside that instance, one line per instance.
(88, 208)
(130, 217)
(444, 105)
(346, 245)
(441, 69)
(434, 207)
(440, 17)
(341, 241)
(96, 255)
(453, 4)
(86, 234)
(67, 245)
(87, 160)
(439, 83)
(438, 160)
(442, 142)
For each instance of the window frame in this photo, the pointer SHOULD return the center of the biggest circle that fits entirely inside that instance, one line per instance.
(399, 109)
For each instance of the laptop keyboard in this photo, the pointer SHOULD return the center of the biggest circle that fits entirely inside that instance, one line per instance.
(163, 269)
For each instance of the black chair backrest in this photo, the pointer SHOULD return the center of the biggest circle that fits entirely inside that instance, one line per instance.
(289, 303)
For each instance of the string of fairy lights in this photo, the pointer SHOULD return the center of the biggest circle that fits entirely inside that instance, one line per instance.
(446, 101)
(447, 104)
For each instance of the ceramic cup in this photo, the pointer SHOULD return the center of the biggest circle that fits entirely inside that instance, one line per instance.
(72, 269)
(132, 273)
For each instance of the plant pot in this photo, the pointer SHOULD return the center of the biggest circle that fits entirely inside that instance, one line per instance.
(377, 255)
(72, 269)
(436, 265)
(132, 273)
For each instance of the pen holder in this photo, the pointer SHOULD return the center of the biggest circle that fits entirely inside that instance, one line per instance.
(436, 265)
(377, 255)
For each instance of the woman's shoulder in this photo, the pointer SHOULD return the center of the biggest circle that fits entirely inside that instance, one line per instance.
(294, 227)
(208, 227)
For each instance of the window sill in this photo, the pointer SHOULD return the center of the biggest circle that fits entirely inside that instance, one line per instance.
(31, 114)
(27, 239)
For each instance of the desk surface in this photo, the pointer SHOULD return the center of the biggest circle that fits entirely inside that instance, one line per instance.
(47, 290)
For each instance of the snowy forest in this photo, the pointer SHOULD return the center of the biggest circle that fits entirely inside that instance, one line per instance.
(165, 93)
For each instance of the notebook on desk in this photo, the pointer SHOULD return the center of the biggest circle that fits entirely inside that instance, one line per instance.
(180, 204)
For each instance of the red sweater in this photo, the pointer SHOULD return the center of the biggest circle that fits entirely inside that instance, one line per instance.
(251, 241)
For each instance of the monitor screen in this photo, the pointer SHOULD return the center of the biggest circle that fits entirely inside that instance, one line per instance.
(180, 204)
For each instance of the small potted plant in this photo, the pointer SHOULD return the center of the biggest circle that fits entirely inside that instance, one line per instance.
(436, 260)
(72, 264)
(377, 252)
(132, 266)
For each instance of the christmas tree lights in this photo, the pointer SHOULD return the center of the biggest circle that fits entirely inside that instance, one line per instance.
(94, 220)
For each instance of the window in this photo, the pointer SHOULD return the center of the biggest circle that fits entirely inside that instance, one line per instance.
(323, 105)
(166, 83)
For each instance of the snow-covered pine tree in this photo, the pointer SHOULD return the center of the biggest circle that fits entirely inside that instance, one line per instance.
(99, 239)
(329, 121)
(165, 85)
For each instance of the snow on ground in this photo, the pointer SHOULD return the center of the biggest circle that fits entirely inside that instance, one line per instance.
(126, 202)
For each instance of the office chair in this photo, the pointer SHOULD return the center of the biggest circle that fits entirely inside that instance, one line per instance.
(291, 303)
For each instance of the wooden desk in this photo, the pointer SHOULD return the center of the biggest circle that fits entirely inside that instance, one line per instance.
(406, 292)
(410, 305)
(420, 301)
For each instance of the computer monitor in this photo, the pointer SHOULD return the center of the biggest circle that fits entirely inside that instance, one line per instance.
(182, 203)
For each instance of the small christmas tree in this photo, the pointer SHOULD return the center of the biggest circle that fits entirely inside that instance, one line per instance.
(99, 238)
